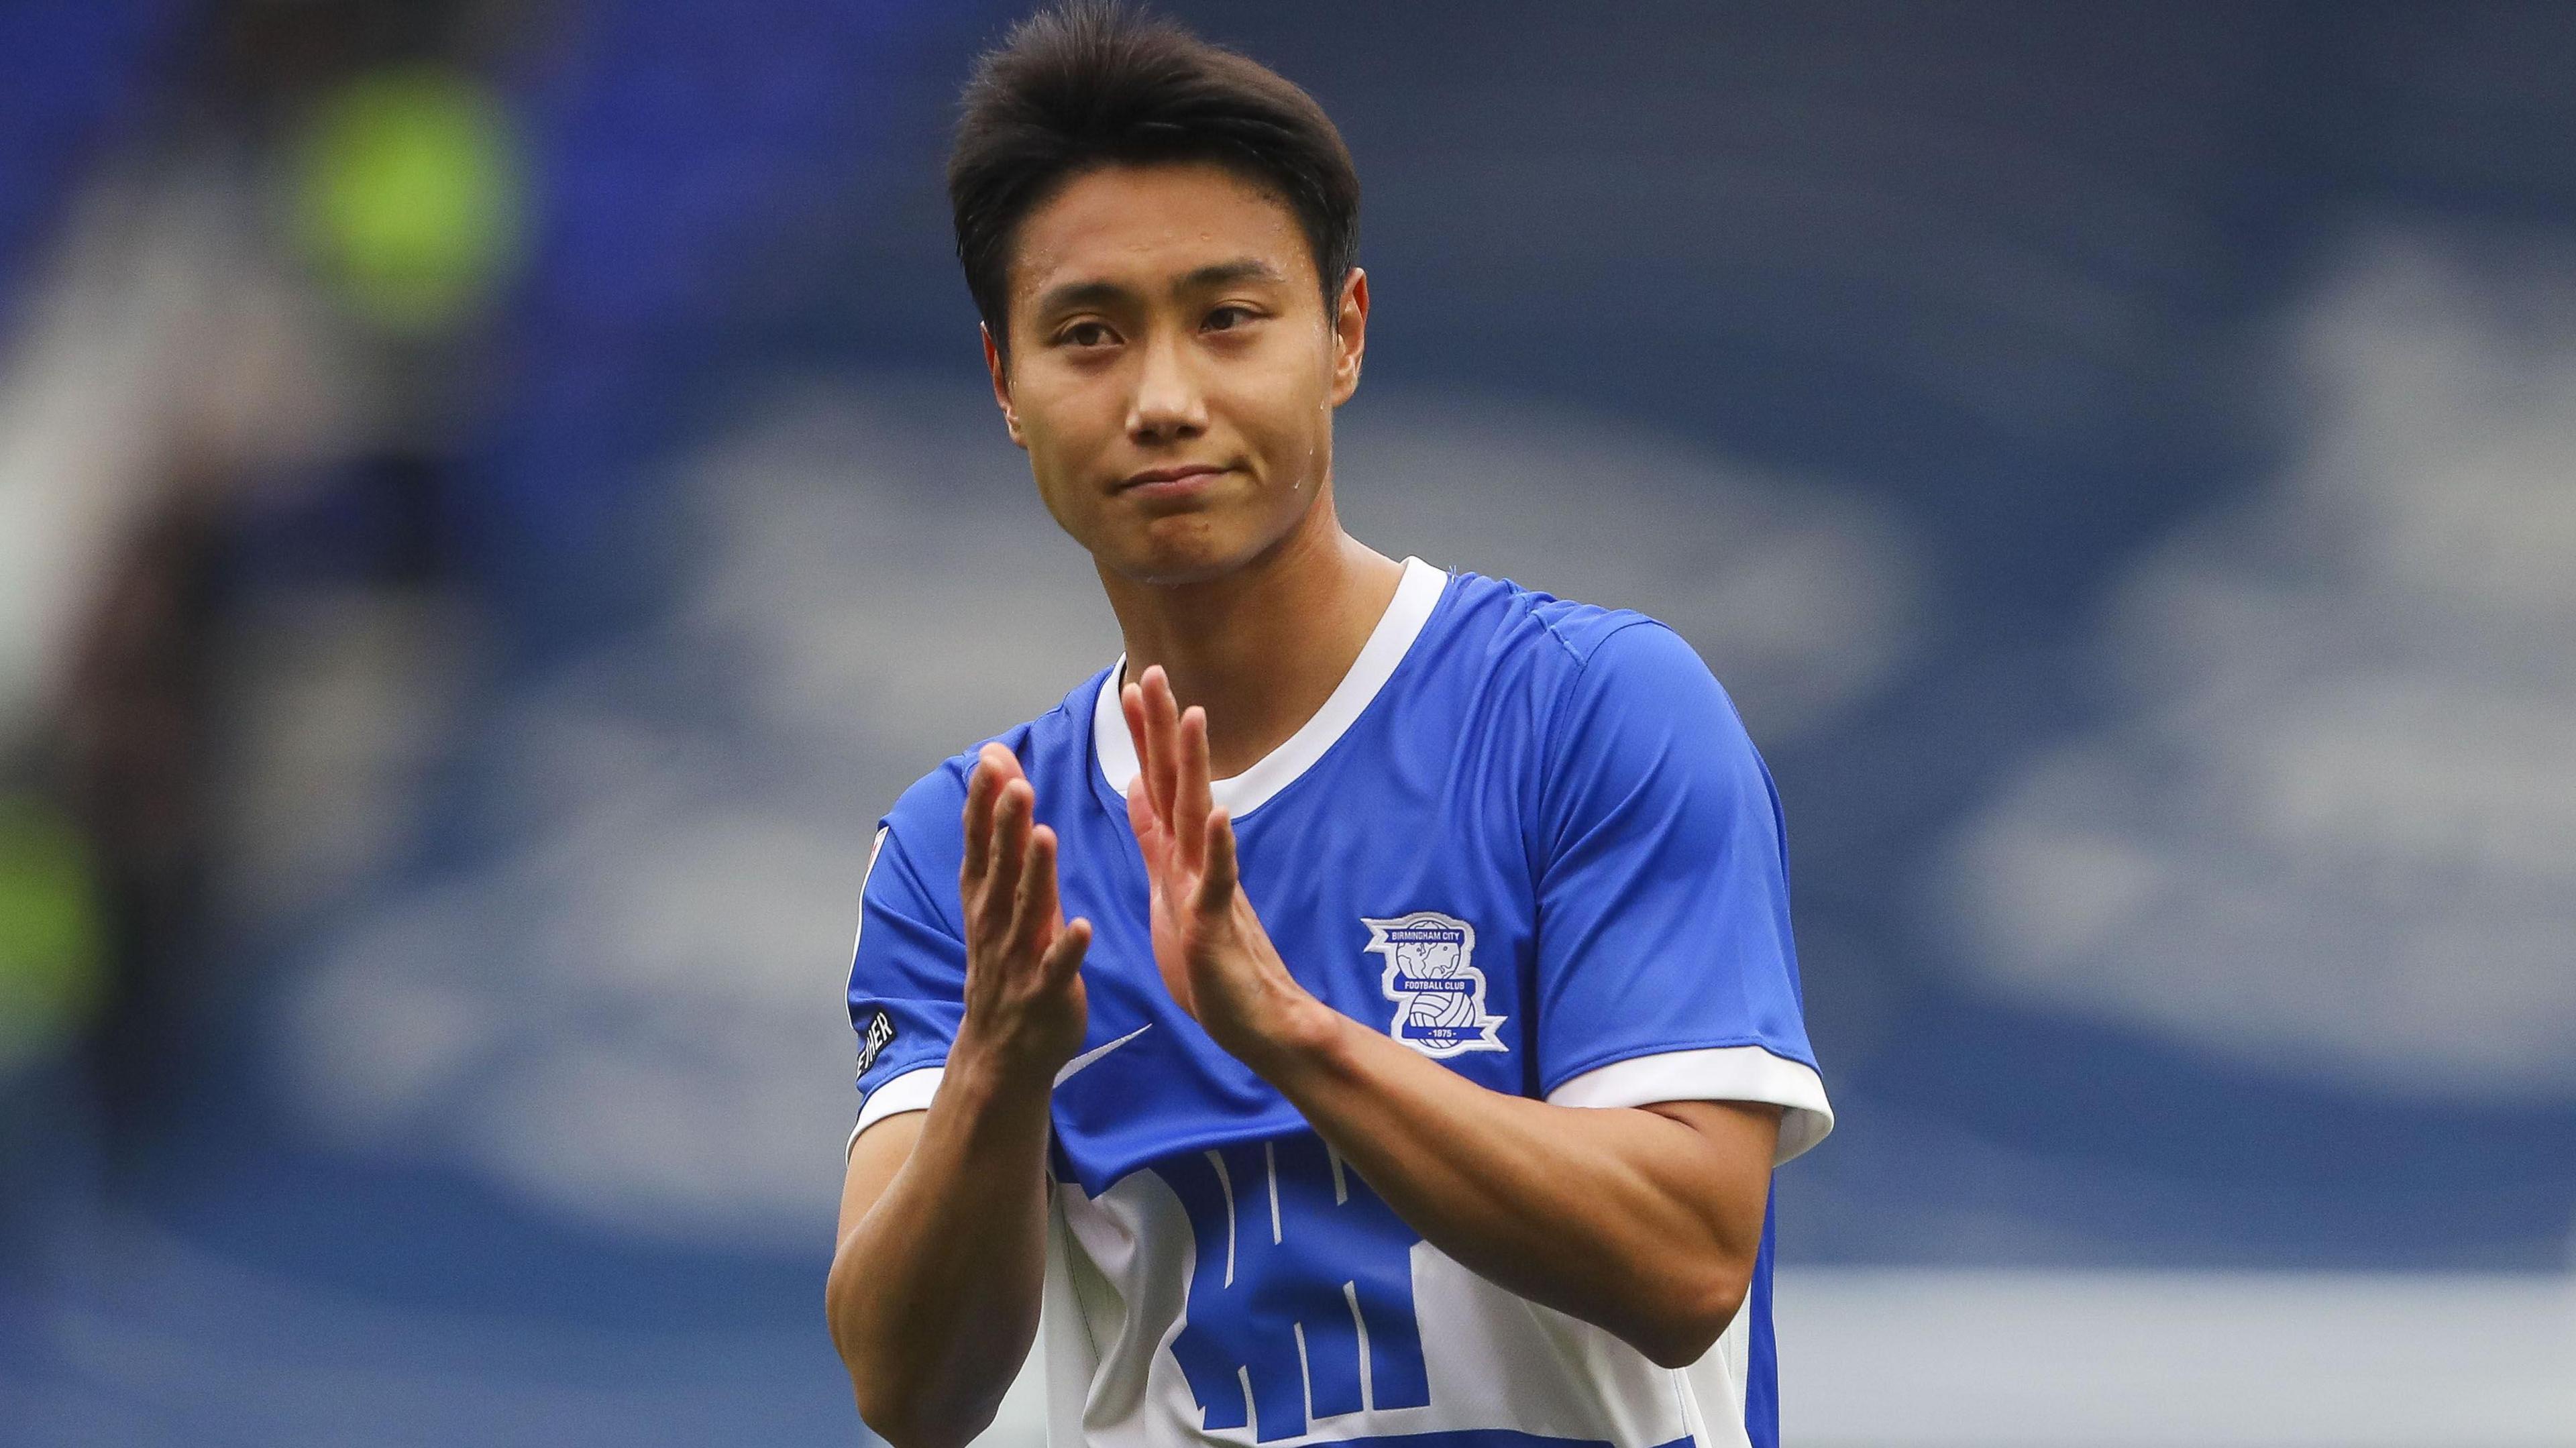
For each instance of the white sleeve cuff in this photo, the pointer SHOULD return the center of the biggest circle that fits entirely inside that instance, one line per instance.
(1725, 1073)
(910, 1091)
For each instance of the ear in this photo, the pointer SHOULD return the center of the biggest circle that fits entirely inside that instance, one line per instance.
(1350, 335)
(1001, 385)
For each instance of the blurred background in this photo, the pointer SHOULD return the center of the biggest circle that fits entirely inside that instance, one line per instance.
(495, 498)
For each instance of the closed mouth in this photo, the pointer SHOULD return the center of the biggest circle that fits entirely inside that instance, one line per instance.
(1169, 475)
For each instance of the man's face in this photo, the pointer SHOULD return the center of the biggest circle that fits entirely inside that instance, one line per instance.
(1172, 373)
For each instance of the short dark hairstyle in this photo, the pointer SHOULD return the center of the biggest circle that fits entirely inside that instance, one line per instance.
(1093, 83)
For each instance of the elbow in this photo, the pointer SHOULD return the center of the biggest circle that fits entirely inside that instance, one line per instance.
(902, 1425)
(890, 1395)
(905, 1417)
(1695, 1310)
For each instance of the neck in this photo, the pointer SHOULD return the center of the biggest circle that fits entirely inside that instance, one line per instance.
(1263, 647)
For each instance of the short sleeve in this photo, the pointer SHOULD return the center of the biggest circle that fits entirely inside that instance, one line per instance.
(907, 979)
(1666, 970)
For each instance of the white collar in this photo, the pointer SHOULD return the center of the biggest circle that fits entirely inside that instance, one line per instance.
(1415, 597)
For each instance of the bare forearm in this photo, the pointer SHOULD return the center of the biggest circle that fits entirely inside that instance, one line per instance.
(934, 1292)
(934, 1289)
(1617, 1217)
(1643, 1221)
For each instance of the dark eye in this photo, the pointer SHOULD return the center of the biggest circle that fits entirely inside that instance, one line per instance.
(1226, 319)
(1085, 334)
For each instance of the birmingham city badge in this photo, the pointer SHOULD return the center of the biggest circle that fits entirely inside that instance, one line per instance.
(1431, 976)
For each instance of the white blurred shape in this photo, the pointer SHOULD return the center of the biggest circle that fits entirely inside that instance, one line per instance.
(2334, 828)
(160, 351)
(1802, 599)
(634, 1014)
(2148, 1360)
(634, 1023)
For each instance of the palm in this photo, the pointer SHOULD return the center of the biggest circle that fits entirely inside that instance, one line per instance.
(1214, 957)
(1024, 993)
(1169, 883)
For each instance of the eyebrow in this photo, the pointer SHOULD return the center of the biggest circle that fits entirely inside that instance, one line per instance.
(1227, 273)
(1072, 295)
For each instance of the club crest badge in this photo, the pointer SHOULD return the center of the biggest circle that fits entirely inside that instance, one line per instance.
(1431, 976)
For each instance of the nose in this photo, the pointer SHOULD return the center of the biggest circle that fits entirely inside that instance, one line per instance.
(1168, 405)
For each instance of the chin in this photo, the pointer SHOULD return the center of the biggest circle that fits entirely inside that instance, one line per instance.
(1184, 550)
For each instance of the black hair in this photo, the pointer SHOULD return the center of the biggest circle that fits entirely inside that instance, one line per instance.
(1092, 83)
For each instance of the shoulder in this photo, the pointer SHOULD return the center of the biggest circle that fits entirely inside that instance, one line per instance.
(1580, 655)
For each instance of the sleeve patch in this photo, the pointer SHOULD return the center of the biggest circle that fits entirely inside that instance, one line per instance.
(880, 1034)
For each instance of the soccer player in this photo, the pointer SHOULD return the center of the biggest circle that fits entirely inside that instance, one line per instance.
(1365, 1012)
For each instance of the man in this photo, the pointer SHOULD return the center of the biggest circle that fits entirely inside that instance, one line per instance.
(1366, 1011)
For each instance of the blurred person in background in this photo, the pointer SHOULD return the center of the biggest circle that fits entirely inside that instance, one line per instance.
(230, 425)
(490, 513)
(1469, 1127)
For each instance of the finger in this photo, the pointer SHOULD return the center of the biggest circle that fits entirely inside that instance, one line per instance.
(1033, 911)
(1140, 816)
(1149, 756)
(1218, 880)
(982, 785)
(1162, 720)
(1191, 800)
(1009, 851)
(1131, 703)
(1064, 953)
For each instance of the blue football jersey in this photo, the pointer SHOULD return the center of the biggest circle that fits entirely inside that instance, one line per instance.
(1526, 837)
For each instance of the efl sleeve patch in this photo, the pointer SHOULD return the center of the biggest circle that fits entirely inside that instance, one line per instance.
(907, 969)
(878, 1036)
